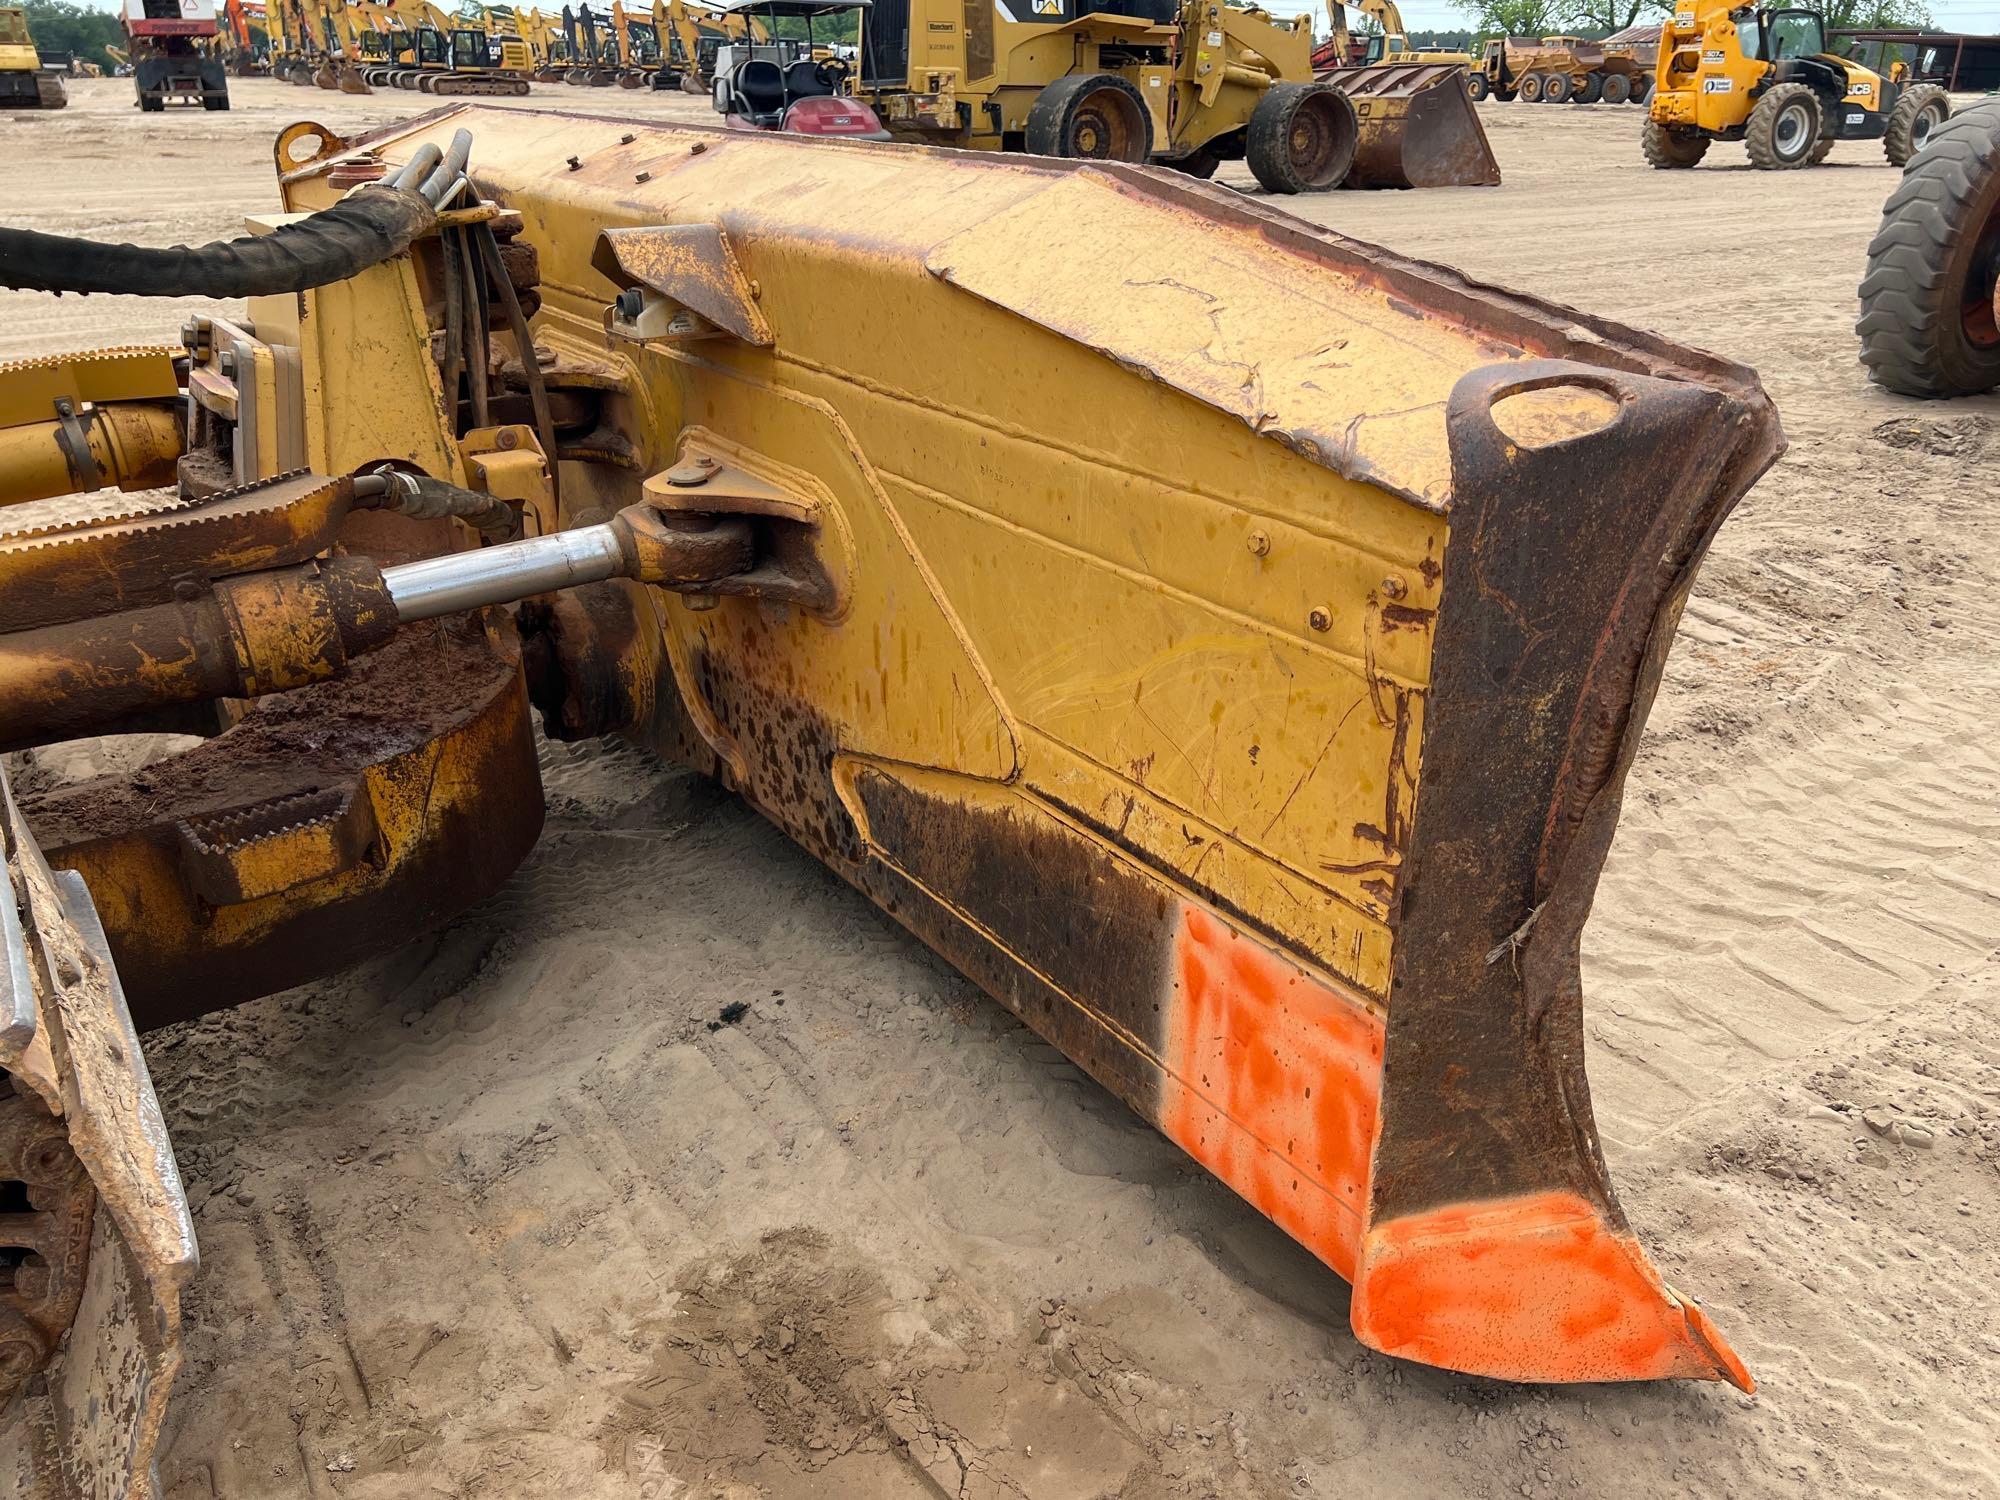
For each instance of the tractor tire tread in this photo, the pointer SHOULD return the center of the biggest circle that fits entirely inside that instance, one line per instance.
(1909, 296)
(1899, 134)
(1760, 130)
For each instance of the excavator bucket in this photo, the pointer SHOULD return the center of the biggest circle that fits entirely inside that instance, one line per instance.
(1418, 127)
(1233, 667)
(350, 81)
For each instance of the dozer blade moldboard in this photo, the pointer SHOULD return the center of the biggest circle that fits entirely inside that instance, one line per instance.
(1418, 127)
(1241, 642)
(1223, 640)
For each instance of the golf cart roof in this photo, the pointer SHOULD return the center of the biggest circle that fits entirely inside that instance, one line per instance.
(792, 7)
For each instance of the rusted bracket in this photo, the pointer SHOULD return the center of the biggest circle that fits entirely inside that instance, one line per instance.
(797, 561)
(126, 558)
(680, 282)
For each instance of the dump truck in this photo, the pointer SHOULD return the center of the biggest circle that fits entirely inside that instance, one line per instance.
(24, 82)
(1561, 70)
(1930, 298)
(1244, 701)
(169, 62)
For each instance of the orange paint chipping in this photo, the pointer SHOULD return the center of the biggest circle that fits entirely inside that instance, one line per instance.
(1530, 1288)
(1273, 1081)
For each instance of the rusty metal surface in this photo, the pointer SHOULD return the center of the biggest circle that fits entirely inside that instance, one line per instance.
(30, 388)
(46, 1203)
(251, 634)
(431, 732)
(87, 1424)
(1418, 127)
(123, 558)
(694, 266)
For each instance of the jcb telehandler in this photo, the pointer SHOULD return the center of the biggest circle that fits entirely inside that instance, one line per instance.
(1766, 78)
(1235, 670)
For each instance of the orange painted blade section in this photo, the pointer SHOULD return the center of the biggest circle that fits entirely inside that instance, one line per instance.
(1273, 1082)
(1535, 1288)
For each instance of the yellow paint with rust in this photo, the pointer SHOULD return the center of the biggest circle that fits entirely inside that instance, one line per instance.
(1218, 651)
(371, 392)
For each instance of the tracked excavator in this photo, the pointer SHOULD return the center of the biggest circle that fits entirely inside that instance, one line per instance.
(1244, 701)
(340, 67)
(595, 48)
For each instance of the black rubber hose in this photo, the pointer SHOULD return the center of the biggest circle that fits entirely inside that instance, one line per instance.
(362, 230)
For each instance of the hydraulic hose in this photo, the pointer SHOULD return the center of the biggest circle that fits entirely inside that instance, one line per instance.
(364, 229)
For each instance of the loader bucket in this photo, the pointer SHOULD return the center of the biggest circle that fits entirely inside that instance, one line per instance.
(1418, 127)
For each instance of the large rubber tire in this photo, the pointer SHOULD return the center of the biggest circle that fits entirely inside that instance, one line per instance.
(1558, 88)
(1927, 322)
(1918, 110)
(1301, 138)
(1198, 163)
(1476, 85)
(1667, 147)
(1531, 89)
(1617, 88)
(1592, 90)
(1642, 88)
(1090, 117)
(1783, 128)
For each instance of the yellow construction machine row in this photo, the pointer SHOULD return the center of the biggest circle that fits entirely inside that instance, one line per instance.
(1233, 668)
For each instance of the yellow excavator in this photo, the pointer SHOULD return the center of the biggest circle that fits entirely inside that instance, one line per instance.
(340, 67)
(456, 56)
(638, 46)
(548, 48)
(1256, 739)
(1767, 79)
(24, 82)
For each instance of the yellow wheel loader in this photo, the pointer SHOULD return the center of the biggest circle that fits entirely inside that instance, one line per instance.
(1243, 695)
(1413, 121)
(1766, 78)
(24, 82)
(1188, 83)
(1930, 300)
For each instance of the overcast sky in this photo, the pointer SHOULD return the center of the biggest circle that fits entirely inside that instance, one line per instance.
(1976, 16)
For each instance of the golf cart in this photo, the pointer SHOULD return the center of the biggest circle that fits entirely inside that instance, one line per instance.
(795, 83)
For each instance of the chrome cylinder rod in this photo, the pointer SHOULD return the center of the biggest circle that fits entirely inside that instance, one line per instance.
(501, 575)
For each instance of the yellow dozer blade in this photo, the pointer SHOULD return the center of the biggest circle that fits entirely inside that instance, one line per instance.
(1224, 641)
(1418, 127)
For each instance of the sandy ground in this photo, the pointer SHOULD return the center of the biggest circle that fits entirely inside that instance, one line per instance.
(515, 1213)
